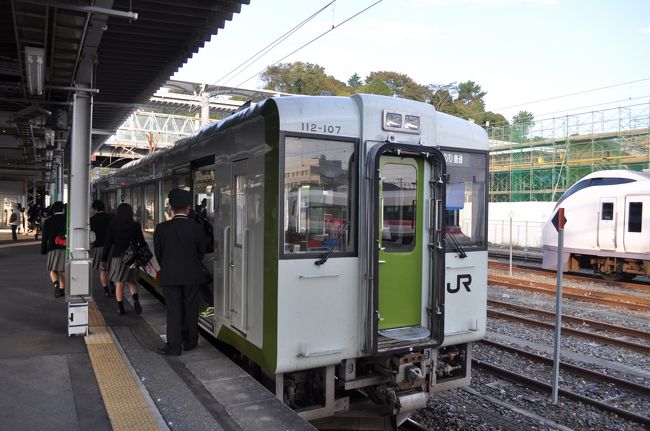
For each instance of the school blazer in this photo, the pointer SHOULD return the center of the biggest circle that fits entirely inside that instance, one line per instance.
(179, 247)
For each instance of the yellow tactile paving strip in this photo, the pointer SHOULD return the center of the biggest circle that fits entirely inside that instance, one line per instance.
(125, 404)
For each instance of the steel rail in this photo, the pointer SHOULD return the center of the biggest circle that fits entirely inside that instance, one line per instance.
(605, 378)
(618, 300)
(518, 378)
(588, 335)
(638, 286)
(573, 319)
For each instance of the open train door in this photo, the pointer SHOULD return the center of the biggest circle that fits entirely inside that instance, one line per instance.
(407, 257)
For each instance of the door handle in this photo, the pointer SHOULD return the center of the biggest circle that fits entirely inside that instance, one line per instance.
(382, 261)
(232, 265)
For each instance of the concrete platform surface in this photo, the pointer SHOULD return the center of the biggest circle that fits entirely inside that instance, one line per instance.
(48, 381)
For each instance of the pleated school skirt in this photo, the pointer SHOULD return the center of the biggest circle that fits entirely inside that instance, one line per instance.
(119, 272)
(56, 260)
(96, 255)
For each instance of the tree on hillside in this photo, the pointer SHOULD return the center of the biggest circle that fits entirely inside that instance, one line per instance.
(469, 102)
(495, 124)
(442, 97)
(302, 78)
(522, 123)
(355, 81)
(401, 85)
(376, 86)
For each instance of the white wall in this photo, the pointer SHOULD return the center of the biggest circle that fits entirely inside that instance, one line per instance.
(528, 219)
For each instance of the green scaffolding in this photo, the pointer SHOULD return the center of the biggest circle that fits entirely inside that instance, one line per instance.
(539, 161)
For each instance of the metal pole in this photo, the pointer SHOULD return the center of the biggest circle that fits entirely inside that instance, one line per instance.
(79, 176)
(511, 214)
(558, 303)
(205, 108)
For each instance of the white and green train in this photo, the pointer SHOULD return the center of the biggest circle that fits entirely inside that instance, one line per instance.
(350, 244)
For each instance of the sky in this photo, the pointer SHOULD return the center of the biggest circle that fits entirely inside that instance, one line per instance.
(521, 52)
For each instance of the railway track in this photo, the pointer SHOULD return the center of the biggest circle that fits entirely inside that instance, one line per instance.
(516, 377)
(575, 369)
(585, 323)
(632, 286)
(595, 296)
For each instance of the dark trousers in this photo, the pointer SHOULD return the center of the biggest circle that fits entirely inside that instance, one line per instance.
(182, 303)
(13, 232)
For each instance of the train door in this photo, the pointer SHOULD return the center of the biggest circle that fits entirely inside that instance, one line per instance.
(636, 236)
(203, 198)
(606, 238)
(400, 252)
(238, 245)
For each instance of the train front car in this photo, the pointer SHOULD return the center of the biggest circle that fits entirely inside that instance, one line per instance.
(382, 260)
(607, 230)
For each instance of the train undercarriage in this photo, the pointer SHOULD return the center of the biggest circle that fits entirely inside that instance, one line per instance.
(378, 392)
(610, 268)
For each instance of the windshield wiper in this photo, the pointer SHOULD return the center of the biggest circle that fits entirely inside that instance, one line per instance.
(339, 234)
(457, 246)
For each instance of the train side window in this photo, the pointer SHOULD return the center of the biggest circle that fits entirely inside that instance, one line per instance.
(607, 212)
(634, 217)
(318, 197)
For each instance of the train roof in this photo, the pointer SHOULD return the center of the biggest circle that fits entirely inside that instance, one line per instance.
(620, 173)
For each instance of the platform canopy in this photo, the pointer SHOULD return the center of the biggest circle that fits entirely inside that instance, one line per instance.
(136, 46)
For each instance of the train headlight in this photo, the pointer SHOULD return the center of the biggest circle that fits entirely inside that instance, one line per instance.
(400, 122)
(412, 122)
(393, 120)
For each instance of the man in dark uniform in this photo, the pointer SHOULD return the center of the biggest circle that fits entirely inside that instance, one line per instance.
(179, 247)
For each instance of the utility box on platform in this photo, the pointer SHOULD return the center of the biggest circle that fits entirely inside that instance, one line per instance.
(78, 317)
(77, 274)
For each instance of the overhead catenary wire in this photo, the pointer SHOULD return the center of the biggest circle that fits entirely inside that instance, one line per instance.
(334, 27)
(273, 44)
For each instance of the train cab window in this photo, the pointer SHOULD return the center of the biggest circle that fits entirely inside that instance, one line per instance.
(318, 196)
(634, 219)
(466, 199)
(607, 211)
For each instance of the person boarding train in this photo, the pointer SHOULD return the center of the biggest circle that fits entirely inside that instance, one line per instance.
(179, 247)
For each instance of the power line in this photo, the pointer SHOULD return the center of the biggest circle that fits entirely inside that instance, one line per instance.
(275, 43)
(263, 51)
(573, 94)
(314, 39)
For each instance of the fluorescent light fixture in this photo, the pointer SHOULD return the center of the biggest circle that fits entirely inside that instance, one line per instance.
(35, 69)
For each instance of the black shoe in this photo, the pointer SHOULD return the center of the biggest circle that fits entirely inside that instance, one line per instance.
(107, 291)
(59, 293)
(167, 351)
(120, 307)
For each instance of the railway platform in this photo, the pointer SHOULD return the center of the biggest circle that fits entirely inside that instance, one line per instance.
(113, 378)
